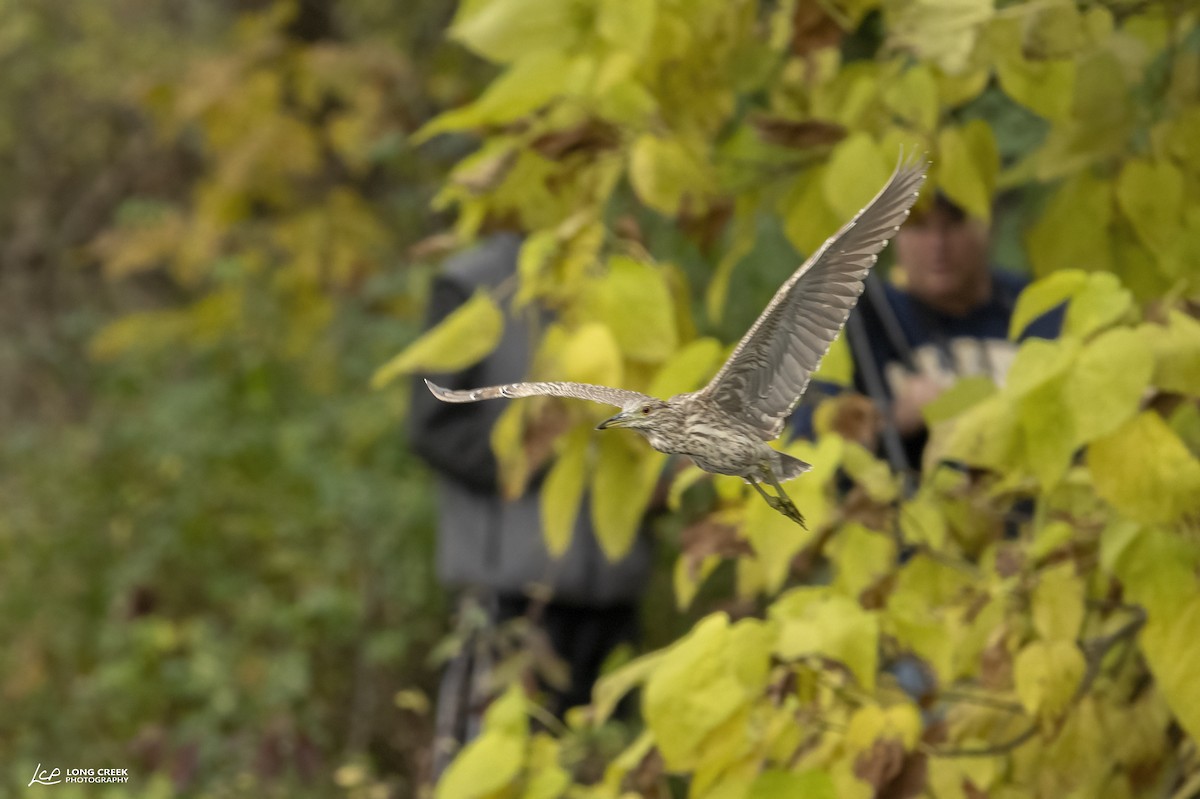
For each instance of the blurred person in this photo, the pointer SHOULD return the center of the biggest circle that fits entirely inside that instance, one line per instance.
(945, 316)
(492, 548)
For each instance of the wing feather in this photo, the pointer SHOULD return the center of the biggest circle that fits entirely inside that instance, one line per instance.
(584, 391)
(770, 368)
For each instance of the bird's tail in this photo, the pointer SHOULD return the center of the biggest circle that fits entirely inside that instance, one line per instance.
(788, 468)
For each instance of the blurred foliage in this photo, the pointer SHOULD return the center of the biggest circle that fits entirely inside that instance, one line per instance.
(1024, 623)
(215, 550)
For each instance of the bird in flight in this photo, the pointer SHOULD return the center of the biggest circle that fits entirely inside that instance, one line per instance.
(724, 426)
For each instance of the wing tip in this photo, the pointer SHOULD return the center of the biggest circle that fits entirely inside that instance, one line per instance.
(436, 390)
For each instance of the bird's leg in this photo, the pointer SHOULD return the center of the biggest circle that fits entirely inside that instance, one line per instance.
(782, 503)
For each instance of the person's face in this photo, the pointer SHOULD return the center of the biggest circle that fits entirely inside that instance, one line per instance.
(944, 256)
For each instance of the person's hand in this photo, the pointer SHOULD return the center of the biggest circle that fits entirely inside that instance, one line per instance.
(912, 394)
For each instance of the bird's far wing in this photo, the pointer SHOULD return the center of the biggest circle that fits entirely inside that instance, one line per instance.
(584, 391)
(769, 369)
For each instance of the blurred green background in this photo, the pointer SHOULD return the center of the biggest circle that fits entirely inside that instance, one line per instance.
(215, 550)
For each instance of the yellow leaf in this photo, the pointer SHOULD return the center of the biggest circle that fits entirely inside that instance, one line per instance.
(1048, 432)
(694, 690)
(810, 784)
(1047, 674)
(622, 484)
(862, 557)
(1043, 295)
(1107, 382)
(1177, 354)
(1072, 233)
(507, 30)
(688, 369)
(562, 491)
(1150, 194)
(941, 31)
(523, 88)
(870, 723)
(1045, 86)
(632, 298)
(914, 97)
(685, 583)
(495, 758)
(666, 172)
(856, 172)
(871, 473)
(968, 165)
(590, 355)
(612, 687)
(817, 621)
(1037, 362)
(807, 218)
(463, 338)
(1145, 472)
(1058, 603)
(837, 366)
(1171, 645)
(1101, 301)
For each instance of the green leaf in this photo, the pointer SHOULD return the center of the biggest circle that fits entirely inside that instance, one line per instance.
(817, 621)
(622, 484)
(1102, 302)
(1047, 674)
(968, 165)
(1058, 603)
(562, 491)
(463, 338)
(1107, 382)
(1145, 472)
(856, 172)
(1150, 194)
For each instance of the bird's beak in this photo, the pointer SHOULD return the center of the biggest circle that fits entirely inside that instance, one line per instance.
(612, 421)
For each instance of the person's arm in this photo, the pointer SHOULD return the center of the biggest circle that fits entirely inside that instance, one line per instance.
(455, 439)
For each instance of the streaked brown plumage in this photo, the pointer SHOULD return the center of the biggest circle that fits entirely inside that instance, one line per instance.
(724, 427)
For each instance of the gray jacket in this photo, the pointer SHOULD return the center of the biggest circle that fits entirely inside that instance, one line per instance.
(483, 540)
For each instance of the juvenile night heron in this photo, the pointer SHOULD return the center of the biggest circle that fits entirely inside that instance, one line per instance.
(724, 427)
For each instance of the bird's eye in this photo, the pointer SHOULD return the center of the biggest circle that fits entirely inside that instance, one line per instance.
(645, 410)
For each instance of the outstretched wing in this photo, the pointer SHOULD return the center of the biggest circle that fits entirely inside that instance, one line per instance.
(769, 369)
(584, 391)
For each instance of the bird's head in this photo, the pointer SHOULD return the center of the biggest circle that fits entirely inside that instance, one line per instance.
(637, 415)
